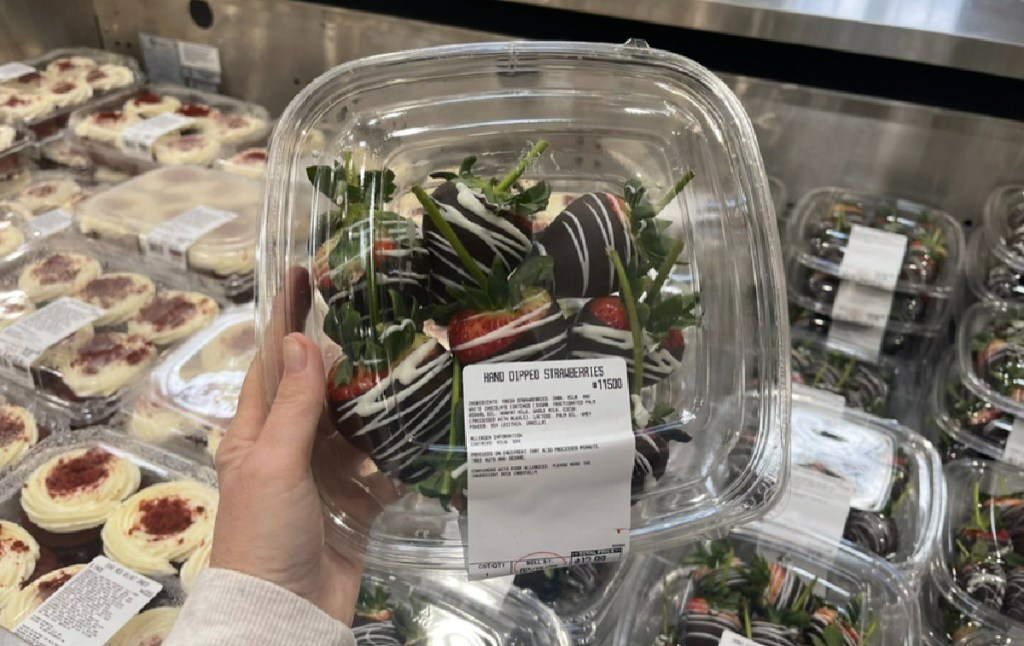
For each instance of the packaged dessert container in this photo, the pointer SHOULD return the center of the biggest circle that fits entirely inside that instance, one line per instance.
(188, 400)
(861, 341)
(977, 567)
(92, 74)
(897, 490)
(679, 594)
(866, 386)
(220, 127)
(411, 609)
(582, 596)
(16, 148)
(825, 217)
(430, 110)
(990, 353)
(1004, 224)
(82, 327)
(989, 276)
(59, 153)
(950, 620)
(40, 208)
(223, 258)
(150, 465)
(967, 417)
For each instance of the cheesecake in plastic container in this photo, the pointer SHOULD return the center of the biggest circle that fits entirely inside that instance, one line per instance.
(762, 588)
(189, 398)
(990, 354)
(40, 208)
(62, 81)
(204, 128)
(124, 217)
(95, 492)
(409, 239)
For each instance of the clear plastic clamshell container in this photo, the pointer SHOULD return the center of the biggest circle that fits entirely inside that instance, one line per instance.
(65, 80)
(966, 417)
(219, 126)
(223, 258)
(866, 386)
(978, 573)
(762, 588)
(188, 400)
(897, 488)
(825, 217)
(80, 327)
(25, 220)
(574, 119)
(1004, 224)
(990, 353)
(989, 276)
(412, 609)
(860, 341)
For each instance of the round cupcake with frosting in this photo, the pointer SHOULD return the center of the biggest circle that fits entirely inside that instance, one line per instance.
(56, 275)
(160, 526)
(173, 315)
(105, 127)
(120, 295)
(199, 561)
(67, 498)
(18, 433)
(65, 92)
(24, 601)
(49, 194)
(109, 77)
(233, 128)
(70, 67)
(22, 106)
(102, 365)
(157, 424)
(19, 553)
(197, 148)
(251, 163)
(148, 628)
(147, 105)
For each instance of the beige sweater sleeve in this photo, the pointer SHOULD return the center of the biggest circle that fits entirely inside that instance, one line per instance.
(228, 608)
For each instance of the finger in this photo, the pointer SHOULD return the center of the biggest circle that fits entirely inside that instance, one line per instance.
(290, 429)
(251, 412)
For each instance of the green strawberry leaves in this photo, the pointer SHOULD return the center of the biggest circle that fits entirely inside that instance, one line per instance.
(504, 291)
(374, 348)
(505, 195)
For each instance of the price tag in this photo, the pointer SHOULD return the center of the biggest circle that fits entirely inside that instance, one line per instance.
(861, 341)
(172, 238)
(11, 71)
(550, 452)
(49, 223)
(729, 638)
(1013, 452)
(138, 139)
(90, 608)
(199, 57)
(23, 342)
(873, 257)
(817, 503)
(866, 306)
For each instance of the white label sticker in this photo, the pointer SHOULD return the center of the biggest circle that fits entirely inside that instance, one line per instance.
(11, 71)
(1014, 450)
(90, 608)
(817, 503)
(49, 223)
(22, 343)
(867, 306)
(831, 401)
(550, 451)
(873, 257)
(729, 638)
(172, 238)
(138, 139)
(862, 341)
(199, 56)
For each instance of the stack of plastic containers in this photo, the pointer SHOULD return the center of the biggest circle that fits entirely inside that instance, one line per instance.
(872, 283)
(995, 259)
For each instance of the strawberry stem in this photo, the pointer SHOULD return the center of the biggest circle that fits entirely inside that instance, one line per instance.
(979, 523)
(676, 190)
(520, 168)
(446, 481)
(626, 291)
(666, 267)
(449, 235)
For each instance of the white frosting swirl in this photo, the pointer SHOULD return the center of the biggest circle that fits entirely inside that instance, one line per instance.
(68, 509)
(18, 432)
(49, 194)
(109, 76)
(68, 92)
(147, 109)
(129, 293)
(104, 127)
(197, 148)
(126, 534)
(199, 561)
(204, 309)
(22, 106)
(70, 67)
(19, 553)
(232, 128)
(35, 283)
(31, 596)
(149, 628)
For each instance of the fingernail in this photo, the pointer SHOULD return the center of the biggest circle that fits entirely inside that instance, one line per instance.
(294, 355)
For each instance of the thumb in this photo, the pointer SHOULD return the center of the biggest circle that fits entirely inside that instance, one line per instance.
(290, 429)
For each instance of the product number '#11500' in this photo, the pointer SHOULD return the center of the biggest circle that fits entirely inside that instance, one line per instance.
(609, 383)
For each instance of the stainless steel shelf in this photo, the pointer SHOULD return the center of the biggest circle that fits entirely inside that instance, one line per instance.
(976, 35)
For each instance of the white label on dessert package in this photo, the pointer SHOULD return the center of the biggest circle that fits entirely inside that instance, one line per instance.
(873, 257)
(49, 223)
(862, 341)
(550, 450)
(1013, 452)
(729, 638)
(172, 238)
(817, 503)
(89, 608)
(138, 138)
(863, 305)
(11, 71)
(23, 342)
(199, 56)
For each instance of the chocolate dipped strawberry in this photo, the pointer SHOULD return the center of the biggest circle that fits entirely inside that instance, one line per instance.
(830, 627)
(491, 219)
(703, 622)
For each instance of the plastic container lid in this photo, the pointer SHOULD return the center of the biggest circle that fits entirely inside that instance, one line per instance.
(779, 196)
(21, 228)
(990, 352)
(989, 277)
(824, 218)
(610, 113)
(978, 561)
(948, 619)
(677, 594)
(188, 401)
(1004, 221)
(898, 491)
(968, 418)
(862, 385)
(860, 341)
(224, 257)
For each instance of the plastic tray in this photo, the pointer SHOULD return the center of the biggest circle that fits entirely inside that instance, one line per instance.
(989, 276)
(902, 346)
(963, 560)
(109, 154)
(223, 259)
(664, 586)
(967, 418)
(49, 123)
(990, 352)
(420, 111)
(898, 490)
(1003, 223)
(818, 237)
(192, 393)
(88, 404)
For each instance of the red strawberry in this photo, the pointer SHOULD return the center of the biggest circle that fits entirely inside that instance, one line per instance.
(468, 329)
(697, 606)
(674, 342)
(362, 381)
(381, 247)
(609, 311)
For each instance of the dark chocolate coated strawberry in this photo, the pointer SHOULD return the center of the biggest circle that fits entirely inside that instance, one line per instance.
(703, 625)
(768, 633)
(873, 532)
(1013, 601)
(985, 582)
(829, 619)
(649, 460)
